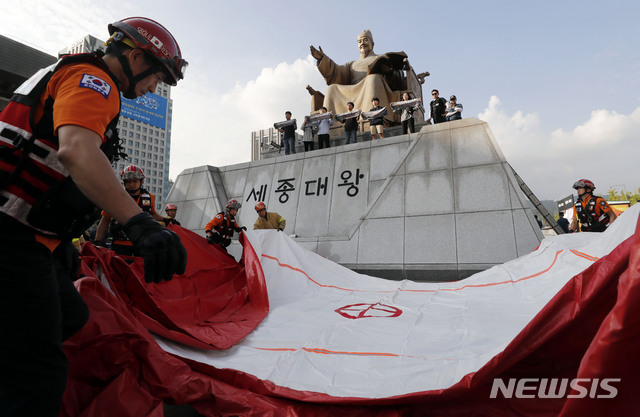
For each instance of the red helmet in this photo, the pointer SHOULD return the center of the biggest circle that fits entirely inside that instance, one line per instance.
(233, 204)
(157, 41)
(260, 206)
(170, 207)
(132, 172)
(584, 183)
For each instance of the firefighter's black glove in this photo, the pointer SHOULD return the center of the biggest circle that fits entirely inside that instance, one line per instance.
(241, 228)
(213, 238)
(160, 248)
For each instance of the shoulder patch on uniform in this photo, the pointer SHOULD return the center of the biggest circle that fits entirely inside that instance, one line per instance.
(96, 84)
(218, 216)
(603, 203)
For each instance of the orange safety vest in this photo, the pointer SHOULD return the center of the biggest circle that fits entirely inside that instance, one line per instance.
(593, 214)
(35, 188)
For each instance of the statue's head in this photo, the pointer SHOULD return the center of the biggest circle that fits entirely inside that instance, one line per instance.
(365, 42)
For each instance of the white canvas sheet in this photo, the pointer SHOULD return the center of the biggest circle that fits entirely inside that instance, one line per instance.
(414, 337)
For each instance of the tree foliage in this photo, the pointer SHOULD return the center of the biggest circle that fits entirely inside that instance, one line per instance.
(631, 197)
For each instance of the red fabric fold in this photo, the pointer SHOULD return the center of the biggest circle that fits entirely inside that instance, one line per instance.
(213, 305)
(590, 329)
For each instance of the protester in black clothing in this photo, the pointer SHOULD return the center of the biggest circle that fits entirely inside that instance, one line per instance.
(538, 221)
(563, 223)
(351, 127)
(289, 135)
(438, 108)
(376, 124)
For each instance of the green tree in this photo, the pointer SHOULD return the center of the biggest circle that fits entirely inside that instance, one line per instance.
(624, 196)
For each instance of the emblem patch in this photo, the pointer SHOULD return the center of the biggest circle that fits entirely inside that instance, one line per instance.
(96, 84)
(364, 310)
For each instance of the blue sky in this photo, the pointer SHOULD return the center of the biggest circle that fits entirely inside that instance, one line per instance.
(558, 82)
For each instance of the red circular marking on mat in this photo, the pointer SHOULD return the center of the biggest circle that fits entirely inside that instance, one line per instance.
(364, 310)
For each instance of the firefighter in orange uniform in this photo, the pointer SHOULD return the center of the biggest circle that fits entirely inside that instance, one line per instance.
(171, 210)
(220, 229)
(594, 213)
(133, 179)
(58, 139)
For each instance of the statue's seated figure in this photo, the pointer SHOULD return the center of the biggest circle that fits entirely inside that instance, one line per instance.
(358, 81)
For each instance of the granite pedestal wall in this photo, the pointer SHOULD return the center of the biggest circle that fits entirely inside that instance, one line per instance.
(437, 205)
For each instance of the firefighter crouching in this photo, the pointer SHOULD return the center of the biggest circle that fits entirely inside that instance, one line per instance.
(220, 229)
(594, 212)
(133, 180)
(58, 138)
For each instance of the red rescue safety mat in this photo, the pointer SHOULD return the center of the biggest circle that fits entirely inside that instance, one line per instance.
(587, 333)
(213, 305)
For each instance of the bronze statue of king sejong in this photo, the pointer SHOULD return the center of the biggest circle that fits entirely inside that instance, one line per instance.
(358, 81)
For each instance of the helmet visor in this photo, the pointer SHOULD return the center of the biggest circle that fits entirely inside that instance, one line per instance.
(174, 69)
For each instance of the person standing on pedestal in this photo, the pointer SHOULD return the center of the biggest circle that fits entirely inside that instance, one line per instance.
(408, 122)
(289, 135)
(309, 129)
(323, 130)
(351, 127)
(438, 108)
(454, 109)
(376, 125)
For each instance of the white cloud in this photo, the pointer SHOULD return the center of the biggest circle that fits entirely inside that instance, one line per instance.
(603, 129)
(515, 132)
(216, 130)
(604, 148)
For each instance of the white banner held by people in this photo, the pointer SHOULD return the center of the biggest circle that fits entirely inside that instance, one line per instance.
(416, 103)
(375, 113)
(319, 116)
(280, 125)
(348, 115)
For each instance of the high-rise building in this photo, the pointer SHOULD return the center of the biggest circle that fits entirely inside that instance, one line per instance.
(18, 62)
(145, 130)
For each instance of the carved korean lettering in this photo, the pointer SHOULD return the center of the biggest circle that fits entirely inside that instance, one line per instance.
(353, 189)
(315, 187)
(259, 194)
(284, 187)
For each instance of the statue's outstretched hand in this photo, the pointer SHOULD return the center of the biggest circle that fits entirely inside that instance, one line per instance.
(316, 53)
